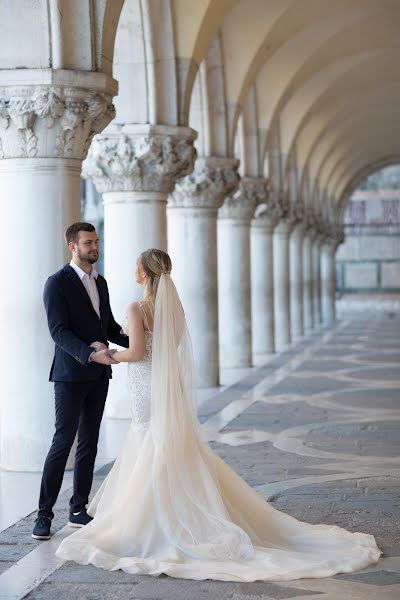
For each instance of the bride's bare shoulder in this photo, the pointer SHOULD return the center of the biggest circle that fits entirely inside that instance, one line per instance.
(134, 309)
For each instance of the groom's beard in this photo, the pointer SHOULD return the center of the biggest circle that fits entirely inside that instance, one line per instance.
(89, 258)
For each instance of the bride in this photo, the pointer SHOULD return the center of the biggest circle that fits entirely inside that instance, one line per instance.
(170, 504)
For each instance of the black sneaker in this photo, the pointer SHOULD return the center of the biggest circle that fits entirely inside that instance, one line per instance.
(79, 520)
(41, 531)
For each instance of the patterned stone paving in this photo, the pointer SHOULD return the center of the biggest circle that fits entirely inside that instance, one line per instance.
(316, 431)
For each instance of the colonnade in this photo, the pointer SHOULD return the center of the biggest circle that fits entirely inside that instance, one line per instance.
(251, 280)
(200, 156)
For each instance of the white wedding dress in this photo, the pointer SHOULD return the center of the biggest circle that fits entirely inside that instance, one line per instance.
(171, 505)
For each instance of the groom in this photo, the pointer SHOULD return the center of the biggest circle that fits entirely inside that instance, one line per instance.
(80, 322)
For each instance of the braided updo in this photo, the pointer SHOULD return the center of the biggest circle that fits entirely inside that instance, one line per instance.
(155, 263)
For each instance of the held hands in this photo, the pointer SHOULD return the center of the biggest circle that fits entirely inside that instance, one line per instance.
(102, 355)
(98, 346)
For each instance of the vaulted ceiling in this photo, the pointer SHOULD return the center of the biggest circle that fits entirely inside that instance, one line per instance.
(323, 76)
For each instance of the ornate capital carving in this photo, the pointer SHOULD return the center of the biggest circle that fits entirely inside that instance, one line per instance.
(275, 212)
(142, 158)
(296, 213)
(280, 204)
(48, 121)
(212, 179)
(264, 216)
(310, 223)
(242, 204)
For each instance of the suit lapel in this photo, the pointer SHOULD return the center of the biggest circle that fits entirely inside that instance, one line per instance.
(102, 297)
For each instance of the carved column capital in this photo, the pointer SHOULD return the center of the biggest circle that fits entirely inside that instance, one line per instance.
(283, 214)
(296, 215)
(281, 204)
(242, 204)
(140, 158)
(338, 236)
(264, 217)
(55, 119)
(310, 223)
(212, 179)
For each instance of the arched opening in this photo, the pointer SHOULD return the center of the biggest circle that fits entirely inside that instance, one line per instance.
(368, 262)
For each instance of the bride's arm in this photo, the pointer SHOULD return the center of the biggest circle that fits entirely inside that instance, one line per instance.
(136, 336)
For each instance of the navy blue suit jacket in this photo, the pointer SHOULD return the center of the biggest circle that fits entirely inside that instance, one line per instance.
(74, 324)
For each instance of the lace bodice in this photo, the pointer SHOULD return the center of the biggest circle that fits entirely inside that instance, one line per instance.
(139, 384)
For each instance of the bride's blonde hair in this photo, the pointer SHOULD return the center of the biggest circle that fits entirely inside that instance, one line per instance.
(155, 263)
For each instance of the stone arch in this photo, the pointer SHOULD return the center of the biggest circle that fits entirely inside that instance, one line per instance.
(67, 34)
(365, 172)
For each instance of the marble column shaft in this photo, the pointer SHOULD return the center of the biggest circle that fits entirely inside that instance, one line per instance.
(262, 282)
(281, 257)
(192, 243)
(296, 282)
(47, 121)
(328, 279)
(308, 293)
(316, 276)
(234, 273)
(135, 167)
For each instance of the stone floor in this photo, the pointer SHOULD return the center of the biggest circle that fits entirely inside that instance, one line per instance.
(315, 431)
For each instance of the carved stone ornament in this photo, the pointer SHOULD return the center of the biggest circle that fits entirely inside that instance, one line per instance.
(270, 212)
(296, 213)
(281, 203)
(264, 216)
(310, 222)
(51, 121)
(242, 204)
(144, 161)
(212, 179)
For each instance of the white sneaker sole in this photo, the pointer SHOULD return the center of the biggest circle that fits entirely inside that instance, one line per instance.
(41, 537)
(76, 525)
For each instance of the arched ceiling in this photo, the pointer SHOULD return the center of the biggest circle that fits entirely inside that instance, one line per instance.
(323, 76)
(357, 126)
(328, 73)
(315, 138)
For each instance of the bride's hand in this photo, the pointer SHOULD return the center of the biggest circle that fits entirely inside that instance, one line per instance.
(104, 357)
(112, 352)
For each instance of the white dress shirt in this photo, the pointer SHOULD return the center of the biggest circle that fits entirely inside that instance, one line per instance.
(89, 281)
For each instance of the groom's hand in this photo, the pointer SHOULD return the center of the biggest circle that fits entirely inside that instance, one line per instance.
(98, 346)
(103, 357)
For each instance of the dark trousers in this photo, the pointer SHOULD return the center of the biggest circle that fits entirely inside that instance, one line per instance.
(79, 408)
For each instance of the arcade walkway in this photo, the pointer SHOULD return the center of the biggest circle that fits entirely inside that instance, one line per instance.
(315, 431)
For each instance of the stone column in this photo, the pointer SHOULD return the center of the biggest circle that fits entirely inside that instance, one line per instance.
(281, 283)
(47, 121)
(328, 274)
(308, 294)
(192, 244)
(328, 280)
(296, 282)
(234, 281)
(316, 276)
(262, 281)
(135, 167)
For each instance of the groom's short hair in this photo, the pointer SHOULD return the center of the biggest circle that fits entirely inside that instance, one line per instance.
(72, 233)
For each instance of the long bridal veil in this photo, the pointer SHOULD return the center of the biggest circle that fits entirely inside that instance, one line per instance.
(172, 505)
(184, 476)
